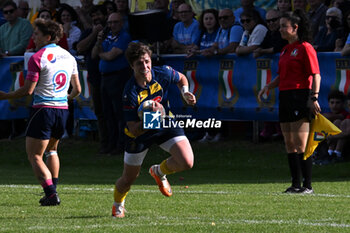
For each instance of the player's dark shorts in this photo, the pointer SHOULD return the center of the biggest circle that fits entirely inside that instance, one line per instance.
(293, 105)
(152, 136)
(46, 123)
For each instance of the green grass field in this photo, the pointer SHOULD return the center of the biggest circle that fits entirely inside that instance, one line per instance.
(235, 186)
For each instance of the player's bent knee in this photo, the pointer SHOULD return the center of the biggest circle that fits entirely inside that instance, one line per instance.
(186, 161)
(188, 165)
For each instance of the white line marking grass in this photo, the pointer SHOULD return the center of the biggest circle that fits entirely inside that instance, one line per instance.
(187, 221)
(15, 186)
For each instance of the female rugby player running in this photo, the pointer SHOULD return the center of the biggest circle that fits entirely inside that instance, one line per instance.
(150, 83)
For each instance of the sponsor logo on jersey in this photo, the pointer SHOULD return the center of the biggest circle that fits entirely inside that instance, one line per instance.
(51, 58)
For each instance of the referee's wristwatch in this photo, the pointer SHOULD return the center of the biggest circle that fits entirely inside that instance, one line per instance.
(314, 98)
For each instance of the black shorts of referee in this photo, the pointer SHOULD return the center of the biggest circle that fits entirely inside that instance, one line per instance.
(293, 105)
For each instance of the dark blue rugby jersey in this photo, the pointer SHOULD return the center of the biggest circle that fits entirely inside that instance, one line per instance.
(157, 90)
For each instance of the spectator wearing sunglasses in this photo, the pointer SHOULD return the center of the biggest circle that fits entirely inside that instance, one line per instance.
(15, 34)
(326, 38)
(254, 34)
(228, 36)
(273, 42)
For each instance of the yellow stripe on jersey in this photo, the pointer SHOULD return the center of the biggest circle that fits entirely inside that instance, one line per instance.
(142, 95)
(128, 133)
(155, 87)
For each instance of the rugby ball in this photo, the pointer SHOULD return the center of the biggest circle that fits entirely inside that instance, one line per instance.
(146, 106)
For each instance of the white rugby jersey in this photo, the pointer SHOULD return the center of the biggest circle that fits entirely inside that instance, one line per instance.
(51, 67)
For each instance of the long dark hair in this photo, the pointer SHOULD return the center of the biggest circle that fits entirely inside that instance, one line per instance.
(299, 18)
(71, 11)
(212, 11)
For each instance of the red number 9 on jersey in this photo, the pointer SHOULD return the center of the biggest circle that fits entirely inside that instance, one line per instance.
(60, 81)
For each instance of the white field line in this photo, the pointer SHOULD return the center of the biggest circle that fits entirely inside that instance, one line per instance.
(15, 186)
(187, 221)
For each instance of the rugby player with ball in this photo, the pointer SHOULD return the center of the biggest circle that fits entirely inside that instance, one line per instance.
(150, 83)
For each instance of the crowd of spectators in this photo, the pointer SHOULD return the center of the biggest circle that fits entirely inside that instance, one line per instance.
(101, 34)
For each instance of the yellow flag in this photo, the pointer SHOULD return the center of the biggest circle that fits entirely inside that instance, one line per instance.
(320, 129)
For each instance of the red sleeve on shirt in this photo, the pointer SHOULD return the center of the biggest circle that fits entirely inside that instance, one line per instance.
(311, 61)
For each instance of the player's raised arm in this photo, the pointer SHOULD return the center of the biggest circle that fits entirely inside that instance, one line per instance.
(185, 92)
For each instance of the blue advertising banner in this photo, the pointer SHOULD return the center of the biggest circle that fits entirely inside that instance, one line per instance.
(11, 78)
(226, 87)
